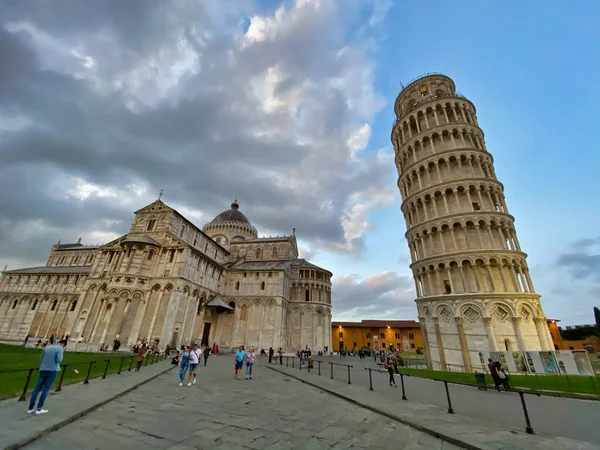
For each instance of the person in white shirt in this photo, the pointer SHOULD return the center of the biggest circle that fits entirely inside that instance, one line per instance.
(194, 360)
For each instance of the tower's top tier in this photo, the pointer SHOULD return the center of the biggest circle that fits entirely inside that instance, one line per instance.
(421, 89)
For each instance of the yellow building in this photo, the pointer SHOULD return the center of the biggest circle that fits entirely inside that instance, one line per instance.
(377, 334)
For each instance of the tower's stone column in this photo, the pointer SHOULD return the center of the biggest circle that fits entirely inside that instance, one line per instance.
(470, 273)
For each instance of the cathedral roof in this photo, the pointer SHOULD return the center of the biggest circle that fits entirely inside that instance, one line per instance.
(232, 215)
(140, 240)
(51, 270)
(304, 263)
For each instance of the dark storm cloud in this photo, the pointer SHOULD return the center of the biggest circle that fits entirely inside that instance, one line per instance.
(163, 95)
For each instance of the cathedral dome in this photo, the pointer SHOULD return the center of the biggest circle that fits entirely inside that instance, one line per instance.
(231, 225)
(231, 215)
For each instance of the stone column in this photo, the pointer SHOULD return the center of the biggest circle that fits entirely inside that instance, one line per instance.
(423, 326)
(516, 321)
(542, 332)
(153, 321)
(464, 348)
(101, 311)
(262, 324)
(137, 322)
(440, 344)
(111, 314)
(490, 333)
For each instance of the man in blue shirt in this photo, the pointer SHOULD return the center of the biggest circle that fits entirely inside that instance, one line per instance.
(49, 367)
(239, 361)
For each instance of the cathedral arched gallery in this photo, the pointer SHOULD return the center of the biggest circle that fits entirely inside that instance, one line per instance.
(172, 282)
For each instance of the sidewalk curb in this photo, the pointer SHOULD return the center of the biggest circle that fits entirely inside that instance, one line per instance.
(74, 417)
(442, 436)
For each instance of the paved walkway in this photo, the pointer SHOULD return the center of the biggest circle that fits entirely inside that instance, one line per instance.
(561, 417)
(470, 423)
(271, 412)
(18, 427)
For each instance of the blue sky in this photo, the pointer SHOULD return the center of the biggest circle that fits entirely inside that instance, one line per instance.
(534, 75)
(288, 105)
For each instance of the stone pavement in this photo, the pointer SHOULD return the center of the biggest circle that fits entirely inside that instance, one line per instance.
(19, 428)
(463, 430)
(271, 412)
(561, 417)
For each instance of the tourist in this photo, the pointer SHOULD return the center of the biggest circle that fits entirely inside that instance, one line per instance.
(389, 365)
(49, 367)
(27, 340)
(206, 354)
(502, 375)
(194, 360)
(184, 363)
(280, 352)
(494, 374)
(140, 357)
(175, 360)
(250, 360)
(215, 349)
(240, 355)
(271, 351)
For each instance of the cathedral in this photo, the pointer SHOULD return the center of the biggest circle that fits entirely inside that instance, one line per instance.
(169, 282)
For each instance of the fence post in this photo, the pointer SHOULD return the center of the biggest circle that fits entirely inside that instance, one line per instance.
(287, 361)
(331, 365)
(450, 410)
(130, 363)
(87, 378)
(24, 394)
(293, 362)
(106, 369)
(370, 379)
(121, 365)
(349, 375)
(62, 376)
(402, 383)
(528, 428)
(300, 364)
(319, 367)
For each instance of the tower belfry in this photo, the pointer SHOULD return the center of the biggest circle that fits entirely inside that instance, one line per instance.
(474, 290)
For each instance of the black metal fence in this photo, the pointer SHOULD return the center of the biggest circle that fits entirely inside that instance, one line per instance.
(349, 367)
(150, 359)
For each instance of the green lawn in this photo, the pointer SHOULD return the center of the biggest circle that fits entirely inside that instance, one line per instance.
(15, 358)
(560, 383)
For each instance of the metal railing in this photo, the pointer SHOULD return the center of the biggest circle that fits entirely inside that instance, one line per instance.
(450, 410)
(63, 367)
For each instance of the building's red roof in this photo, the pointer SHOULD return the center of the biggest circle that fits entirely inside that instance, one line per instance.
(378, 324)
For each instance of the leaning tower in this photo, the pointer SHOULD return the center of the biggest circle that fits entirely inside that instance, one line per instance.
(474, 291)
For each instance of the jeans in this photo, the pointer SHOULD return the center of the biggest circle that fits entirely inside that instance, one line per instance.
(249, 369)
(206, 359)
(44, 383)
(182, 370)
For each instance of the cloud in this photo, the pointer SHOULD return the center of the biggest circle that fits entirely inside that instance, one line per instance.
(583, 261)
(104, 104)
(380, 295)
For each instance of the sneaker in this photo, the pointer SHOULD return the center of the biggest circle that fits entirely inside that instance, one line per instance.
(180, 384)
(250, 377)
(41, 411)
(246, 377)
(189, 384)
(194, 382)
(30, 411)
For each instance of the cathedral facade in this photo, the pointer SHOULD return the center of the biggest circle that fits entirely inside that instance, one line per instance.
(170, 282)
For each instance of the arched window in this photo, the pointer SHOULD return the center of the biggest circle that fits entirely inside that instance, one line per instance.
(274, 252)
(53, 305)
(34, 305)
(258, 253)
(15, 303)
(262, 286)
(232, 304)
(200, 305)
(73, 305)
(150, 255)
(237, 285)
